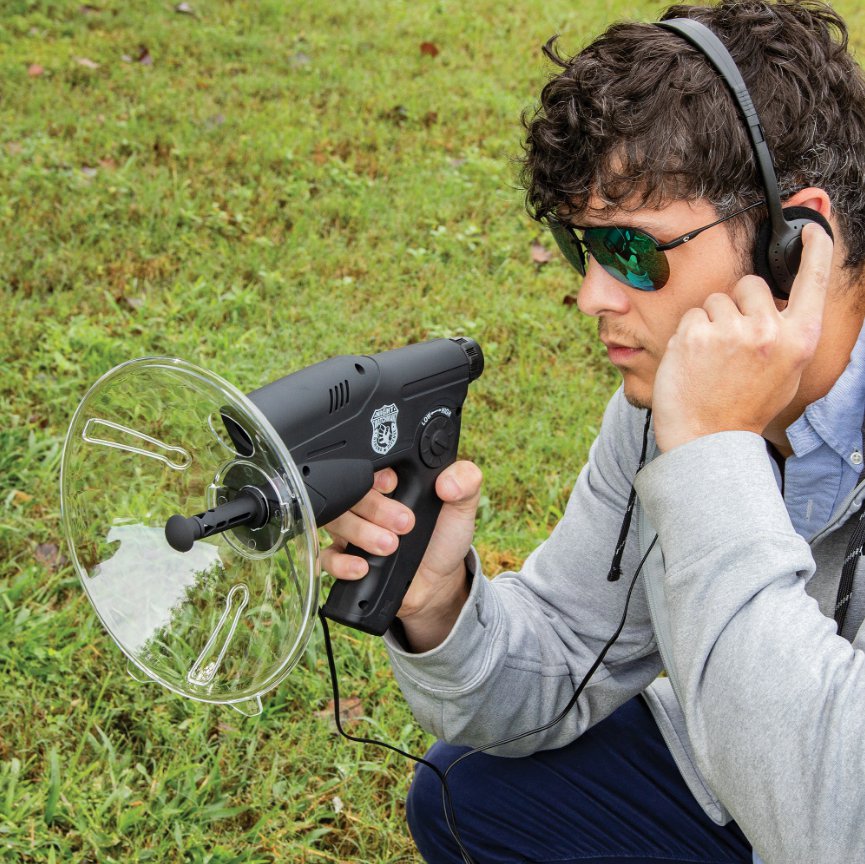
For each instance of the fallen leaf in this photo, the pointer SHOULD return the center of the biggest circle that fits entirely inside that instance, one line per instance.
(349, 709)
(496, 561)
(86, 62)
(299, 60)
(108, 164)
(429, 49)
(134, 303)
(19, 497)
(398, 114)
(540, 254)
(161, 150)
(48, 555)
(34, 70)
(430, 118)
(569, 300)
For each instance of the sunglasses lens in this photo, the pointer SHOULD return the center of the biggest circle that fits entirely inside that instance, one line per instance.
(569, 245)
(629, 256)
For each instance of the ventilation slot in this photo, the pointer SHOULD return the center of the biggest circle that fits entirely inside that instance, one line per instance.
(339, 396)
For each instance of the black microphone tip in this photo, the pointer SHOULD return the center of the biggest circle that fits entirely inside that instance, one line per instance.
(180, 533)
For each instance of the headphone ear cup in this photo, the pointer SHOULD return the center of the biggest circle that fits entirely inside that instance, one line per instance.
(778, 263)
(792, 214)
(761, 253)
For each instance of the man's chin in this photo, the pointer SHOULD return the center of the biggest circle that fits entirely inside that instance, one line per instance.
(638, 395)
(638, 401)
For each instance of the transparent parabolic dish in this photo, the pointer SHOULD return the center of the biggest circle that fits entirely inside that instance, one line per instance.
(228, 620)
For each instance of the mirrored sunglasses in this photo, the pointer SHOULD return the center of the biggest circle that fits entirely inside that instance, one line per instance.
(630, 255)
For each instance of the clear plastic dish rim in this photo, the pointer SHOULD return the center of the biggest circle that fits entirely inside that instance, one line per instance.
(310, 529)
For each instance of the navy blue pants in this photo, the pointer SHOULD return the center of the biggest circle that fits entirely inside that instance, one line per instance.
(615, 794)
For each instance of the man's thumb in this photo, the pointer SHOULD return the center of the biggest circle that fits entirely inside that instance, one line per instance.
(460, 485)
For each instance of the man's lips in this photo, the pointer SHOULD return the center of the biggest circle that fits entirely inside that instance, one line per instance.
(618, 352)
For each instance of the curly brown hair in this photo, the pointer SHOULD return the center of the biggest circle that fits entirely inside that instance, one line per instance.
(639, 117)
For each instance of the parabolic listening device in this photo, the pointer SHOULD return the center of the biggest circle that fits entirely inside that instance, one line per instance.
(191, 509)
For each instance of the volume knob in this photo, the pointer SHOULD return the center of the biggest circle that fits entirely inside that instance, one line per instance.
(437, 441)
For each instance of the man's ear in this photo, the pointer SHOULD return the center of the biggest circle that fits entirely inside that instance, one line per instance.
(776, 255)
(813, 198)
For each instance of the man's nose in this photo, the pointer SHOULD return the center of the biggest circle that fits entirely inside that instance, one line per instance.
(601, 294)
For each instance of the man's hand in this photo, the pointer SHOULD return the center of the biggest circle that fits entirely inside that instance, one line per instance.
(376, 522)
(736, 362)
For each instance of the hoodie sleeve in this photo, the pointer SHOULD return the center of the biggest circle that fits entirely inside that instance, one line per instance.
(774, 700)
(524, 641)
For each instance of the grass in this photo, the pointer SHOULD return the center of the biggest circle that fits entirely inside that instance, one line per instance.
(255, 187)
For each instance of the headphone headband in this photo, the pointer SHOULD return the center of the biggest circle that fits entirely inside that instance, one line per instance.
(704, 40)
(779, 241)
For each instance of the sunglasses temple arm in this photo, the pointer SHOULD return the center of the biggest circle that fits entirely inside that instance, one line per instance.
(665, 247)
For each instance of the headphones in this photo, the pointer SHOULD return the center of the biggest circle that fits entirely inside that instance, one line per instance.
(778, 250)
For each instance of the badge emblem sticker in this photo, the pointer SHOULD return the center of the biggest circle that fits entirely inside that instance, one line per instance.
(384, 429)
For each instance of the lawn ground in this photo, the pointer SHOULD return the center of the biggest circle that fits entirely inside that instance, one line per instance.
(253, 187)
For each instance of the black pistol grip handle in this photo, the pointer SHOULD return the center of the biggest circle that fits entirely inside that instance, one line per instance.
(371, 603)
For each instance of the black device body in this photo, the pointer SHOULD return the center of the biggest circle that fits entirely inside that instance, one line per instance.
(778, 250)
(349, 416)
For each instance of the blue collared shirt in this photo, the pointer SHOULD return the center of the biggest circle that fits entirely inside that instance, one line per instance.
(827, 458)
(827, 455)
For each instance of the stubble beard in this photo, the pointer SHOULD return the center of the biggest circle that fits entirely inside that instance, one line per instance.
(637, 400)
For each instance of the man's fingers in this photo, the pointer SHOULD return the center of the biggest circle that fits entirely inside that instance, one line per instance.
(363, 534)
(384, 481)
(342, 566)
(808, 294)
(386, 512)
(693, 320)
(720, 307)
(375, 523)
(460, 485)
(752, 296)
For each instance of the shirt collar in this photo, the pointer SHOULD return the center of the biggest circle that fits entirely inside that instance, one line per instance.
(836, 419)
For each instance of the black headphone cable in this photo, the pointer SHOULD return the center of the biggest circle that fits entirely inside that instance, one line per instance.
(447, 799)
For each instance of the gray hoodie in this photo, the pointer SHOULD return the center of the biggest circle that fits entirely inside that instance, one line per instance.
(763, 706)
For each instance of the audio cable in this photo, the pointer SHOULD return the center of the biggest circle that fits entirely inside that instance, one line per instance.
(447, 798)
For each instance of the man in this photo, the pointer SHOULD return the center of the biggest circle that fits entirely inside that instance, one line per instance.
(754, 742)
